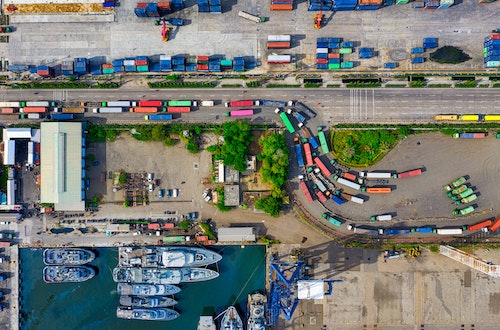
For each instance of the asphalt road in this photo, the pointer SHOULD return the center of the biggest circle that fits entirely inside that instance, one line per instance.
(332, 105)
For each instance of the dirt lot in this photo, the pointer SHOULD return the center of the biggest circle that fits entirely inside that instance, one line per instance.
(422, 200)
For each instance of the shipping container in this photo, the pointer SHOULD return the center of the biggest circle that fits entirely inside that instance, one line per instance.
(348, 183)
(253, 18)
(179, 103)
(12, 104)
(158, 117)
(308, 154)
(8, 110)
(423, 230)
(108, 110)
(379, 190)
(313, 142)
(322, 141)
(365, 231)
(298, 153)
(338, 200)
(495, 225)
(33, 110)
(240, 113)
(287, 122)
(469, 135)
(492, 118)
(41, 104)
(390, 65)
(381, 217)
(279, 59)
(73, 110)
(375, 175)
(321, 196)
(445, 117)
(349, 176)
(408, 174)
(62, 116)
(178, 109)
(469, 117)
(326, 172)
(118, 104)
(150, 103)
(144, 109)
(306, 192)
(278, 44)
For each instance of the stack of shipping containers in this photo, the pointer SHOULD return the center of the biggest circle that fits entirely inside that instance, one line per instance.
(239, 64)
(431, 4)
(107, 68)
(282, 5)
(129, 65)
(226, 64)
(430, 43)
(369, 4)
(492, 50)
(81, 65)
(365, 53)
(177, 4)
(317, 5)
(179, 63)
(191, 64)
(210, 6)
(345, 5)
(95, 67)
(279, 59)
(44, 71)
(156, 9)
(141, 62)
(329, 53)
(214, 64)
(278, 42)
(202, 63)
(118, 65)
(67, 68)
(446, 3)
(165, 63)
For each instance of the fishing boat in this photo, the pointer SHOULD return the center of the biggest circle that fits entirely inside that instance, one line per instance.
(67, 257)
(206, 323)
(66, 274)
(147, 289)
(166, 256)
(147, 302)
(162, 275)
(150, 314)
(256, 311)
(231, 320)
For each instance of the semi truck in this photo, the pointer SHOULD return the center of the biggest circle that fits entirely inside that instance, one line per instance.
(349, 176)
(241, 103)
(163, 116)
(298, 153)
(287, 122)
(469, 135)
(326, 172)
(12, 104)
(381, 217)
(320, 185)
(479, 226)
(352, 198)
(464, 211)
(107, 110)
(62, 116)
(467, 199)
(308, 154)
(207, 103)
(407, 174)
(495, 225)
(41, 104)
(150, 103)
(338, 200)
(180, 103)
(458, 182)
(253, 18)
(336, 222)
(347, 183)
(305, 190)
(301, 119)
(240, 113)
(457, 191)
(375, 175)
(305, 109)
(422, 230)
(366, 231)
(114, 104)
(463, 194)
(274, 104)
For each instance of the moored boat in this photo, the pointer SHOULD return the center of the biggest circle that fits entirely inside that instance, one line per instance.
(147, 289)
(150, 314)
(67, 257)
(66, 274)
(162, 275)
(147, 302)
(166, 256)
(256, 311)
(231, 320)
(206, 323)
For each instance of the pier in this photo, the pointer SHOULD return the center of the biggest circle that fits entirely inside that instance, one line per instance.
(14, 286)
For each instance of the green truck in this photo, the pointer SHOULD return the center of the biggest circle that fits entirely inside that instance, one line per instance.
(463, 194)
(457, 191)
(458, 182)
(464, 211)
(467, 199)
(331, 219)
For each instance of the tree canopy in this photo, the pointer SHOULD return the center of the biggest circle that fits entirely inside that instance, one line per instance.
(274, 159)
(237, 139)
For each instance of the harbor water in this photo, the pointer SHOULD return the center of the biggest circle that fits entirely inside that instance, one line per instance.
(92, 304)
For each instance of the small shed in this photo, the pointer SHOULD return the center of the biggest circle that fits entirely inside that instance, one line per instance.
(236, 234)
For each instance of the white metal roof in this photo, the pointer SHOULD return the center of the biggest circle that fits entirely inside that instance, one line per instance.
(16, 133)
(308, 290)
(236, 234)
(9, 152)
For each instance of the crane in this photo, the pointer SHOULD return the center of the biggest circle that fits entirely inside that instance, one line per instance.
(165, 31)
(317, 19)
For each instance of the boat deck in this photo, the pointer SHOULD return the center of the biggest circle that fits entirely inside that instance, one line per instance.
(130, 257)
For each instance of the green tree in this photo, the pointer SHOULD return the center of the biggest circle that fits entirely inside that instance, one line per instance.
(274, 159)
(237, 139)
(270, 205)
(159, 133)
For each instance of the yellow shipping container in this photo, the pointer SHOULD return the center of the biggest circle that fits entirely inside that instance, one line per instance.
(469, 117)
(492, 118)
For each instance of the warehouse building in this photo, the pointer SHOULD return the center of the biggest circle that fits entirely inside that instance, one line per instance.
(62, 170)
(236, 234)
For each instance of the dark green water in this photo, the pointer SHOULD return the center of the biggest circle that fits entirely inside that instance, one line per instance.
(92, 304)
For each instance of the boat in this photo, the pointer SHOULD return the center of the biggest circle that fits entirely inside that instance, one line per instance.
(206, 323)
(231, 320)
(256, 311)
(67, 257)
(148, 302)
(166, 256)
(162, 276)
(66, 274)
(147, 289)
(150, 314)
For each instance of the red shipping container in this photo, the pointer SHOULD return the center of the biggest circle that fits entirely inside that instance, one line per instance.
(281, 7)
(34, 110)
(202, 67)
(43, 73)
(331, 55)
(141, 62)
(494, 36)
(164, 5)
(150, 103)
(141, 5)
(7, 110)
(202, 58)
(153, 226)
(322, 60)
(278, 44)
(201, 238)
(168, 225)
(107, 66)
(178, 109)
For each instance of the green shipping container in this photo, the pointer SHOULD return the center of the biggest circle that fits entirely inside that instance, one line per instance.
(142, 68)
(172, 239)
(333, 66)
(347, 65)
(226, 62)
(108, 71)
(345, 50)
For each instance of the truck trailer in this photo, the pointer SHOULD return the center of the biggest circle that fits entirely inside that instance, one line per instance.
(375, 175)
(469, 135)
(250, 17)
(458, 182)
(241, 103)
(347, 183)
(407, 174)
(108, 110)
(114, 104)
(62, 116)
(159, 117)
(240, 113)
(381, 217)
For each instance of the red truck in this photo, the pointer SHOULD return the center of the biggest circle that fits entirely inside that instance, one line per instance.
(326, 172)
(495, 225)
(480, 225)
(306, 192)
(150, 103)
(242, 103)
(407, 174)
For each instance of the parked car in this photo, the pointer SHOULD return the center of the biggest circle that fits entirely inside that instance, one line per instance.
(151, 187)
(161, 193)
(150, 177)
(175, 192)
(169, 194)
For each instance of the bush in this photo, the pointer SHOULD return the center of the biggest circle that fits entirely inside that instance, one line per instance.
(270, 205)
(467, 84)
(449, 55)
(180, 84)
(282, 86)
(417, 84)
(357, 84)
(253, 84)
(312, 85)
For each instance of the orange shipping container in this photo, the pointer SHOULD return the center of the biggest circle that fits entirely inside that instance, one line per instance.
(281, 7)
(34, 110)
(349, 176)
(153, 226)
(278, 44)
(145, 109)
(384, 190)
(168, 225)
(7, 110)
(331, 55)
(201, 238)
(495, 225)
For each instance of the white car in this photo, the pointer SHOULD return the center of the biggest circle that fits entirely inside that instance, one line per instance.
(137, 233)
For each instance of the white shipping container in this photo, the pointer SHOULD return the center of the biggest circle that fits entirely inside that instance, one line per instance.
(207, 103)
(165, 57)
(128, 62)
(321, 50)
(10, 104)
(281, 37)
(449, 231)
(375, 175)
(279, 58)
(348, 183)
(110, 110)
(33, 116)
(357, 200)
(37, 104)
(384, 217)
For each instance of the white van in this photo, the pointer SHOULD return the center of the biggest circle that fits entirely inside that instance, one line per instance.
(175, 192)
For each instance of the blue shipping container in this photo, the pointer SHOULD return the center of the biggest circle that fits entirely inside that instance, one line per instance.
(417, 60)
(140, 12)
(390, 65)
(338, 200)
(321, 55)
(130, 68)
(417, 50)
(108, 4)
(321, 66)
(334, 61)
(312, 140)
